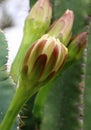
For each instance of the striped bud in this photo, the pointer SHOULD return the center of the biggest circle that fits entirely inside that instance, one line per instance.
(76, 46)
(62, 28)
(36, 24)
(44, 59)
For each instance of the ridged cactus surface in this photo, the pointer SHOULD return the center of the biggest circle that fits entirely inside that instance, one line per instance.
(87, 92)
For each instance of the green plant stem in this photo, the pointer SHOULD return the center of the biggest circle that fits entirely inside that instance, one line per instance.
(20, 97)
(21, 53)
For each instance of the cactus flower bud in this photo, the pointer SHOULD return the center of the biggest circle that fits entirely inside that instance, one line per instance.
(62, 28)
(76, 46)
(36, 24)
(44, 59)
(41, 6)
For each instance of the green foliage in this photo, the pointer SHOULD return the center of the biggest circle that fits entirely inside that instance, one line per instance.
(6, 85)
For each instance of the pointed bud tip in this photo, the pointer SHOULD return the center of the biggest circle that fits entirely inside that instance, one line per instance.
(77, 46)
(43, 2)
(70, 14)
(80, 37)
(84, 34)
(83, 37)
(62, 28)
(41, 11)
(69, 11)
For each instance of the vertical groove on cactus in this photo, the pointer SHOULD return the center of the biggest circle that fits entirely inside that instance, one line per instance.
(87, 93)
(74, 90)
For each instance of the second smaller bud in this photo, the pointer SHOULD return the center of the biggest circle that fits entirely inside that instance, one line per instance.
(62, 28)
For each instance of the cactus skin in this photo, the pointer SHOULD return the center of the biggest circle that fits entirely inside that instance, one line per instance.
(87, 92)
(35, 26)
(66, 111)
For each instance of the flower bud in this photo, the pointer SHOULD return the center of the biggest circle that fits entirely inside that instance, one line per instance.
(44, 59)
(39, 19)
(62, 28)
(76, 46)
(36, 24)
(41, 10)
